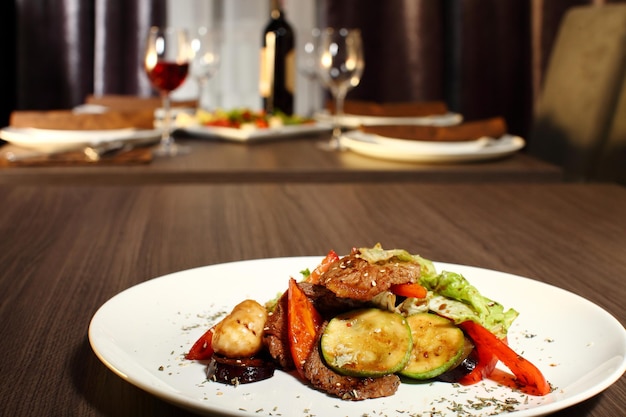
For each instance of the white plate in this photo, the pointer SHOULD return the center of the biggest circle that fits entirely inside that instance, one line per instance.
(355, 120)
(247, 135)
(416, 151)
(52, 140)
(142, 334)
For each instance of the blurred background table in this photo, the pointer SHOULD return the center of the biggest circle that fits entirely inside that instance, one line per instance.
(285, 160)
(65, 250)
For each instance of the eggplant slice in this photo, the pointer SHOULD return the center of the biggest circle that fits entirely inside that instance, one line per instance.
(239, 371)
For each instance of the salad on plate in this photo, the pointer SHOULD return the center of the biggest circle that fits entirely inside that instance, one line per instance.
(240, 118)
(358, 326)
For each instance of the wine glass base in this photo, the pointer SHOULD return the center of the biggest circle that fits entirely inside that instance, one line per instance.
(171, 149)
(333, 145)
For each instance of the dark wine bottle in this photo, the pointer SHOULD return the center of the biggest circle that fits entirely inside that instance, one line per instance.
(277, 78)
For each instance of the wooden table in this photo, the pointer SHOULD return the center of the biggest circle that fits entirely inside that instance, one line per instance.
(66, 250)
(292, 160)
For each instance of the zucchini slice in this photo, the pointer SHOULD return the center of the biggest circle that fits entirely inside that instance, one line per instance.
(437, 346)
(367, 343)
(463, 366)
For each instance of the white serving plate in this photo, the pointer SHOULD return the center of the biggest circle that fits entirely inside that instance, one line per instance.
(422, 151)
(53, 140)
(143, 333)
(252, 135)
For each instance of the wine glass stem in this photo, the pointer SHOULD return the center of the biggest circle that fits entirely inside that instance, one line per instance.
(202, 94)
(340, 97)
(166, 135)
(310, 83)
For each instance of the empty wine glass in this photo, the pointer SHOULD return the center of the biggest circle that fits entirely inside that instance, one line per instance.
(307, 66)
(166, 62)
(341, 65)
(206, 44)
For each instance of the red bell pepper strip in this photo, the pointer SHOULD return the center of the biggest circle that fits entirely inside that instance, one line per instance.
(202, 349)
(303, 321)
(409, 290)
(314, 277)
(525, 372)
(486, 363)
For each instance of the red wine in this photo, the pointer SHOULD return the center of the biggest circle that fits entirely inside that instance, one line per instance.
(167, 76)
(278, 72)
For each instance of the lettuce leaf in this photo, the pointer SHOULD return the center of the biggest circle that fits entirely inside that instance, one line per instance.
(455, 298)
(379, 255)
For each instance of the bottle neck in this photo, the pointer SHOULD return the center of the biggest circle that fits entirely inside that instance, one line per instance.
(276, 10)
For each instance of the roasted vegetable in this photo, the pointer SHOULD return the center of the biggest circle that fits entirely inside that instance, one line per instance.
(466, 363)
(409, 290)
(304, 322)
(239, 371)
(526, 373)
(239, 334)
(314, 276)
(367, 343)
(202, 349)
(437, 346)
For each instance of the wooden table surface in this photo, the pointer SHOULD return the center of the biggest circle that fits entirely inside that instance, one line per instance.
(293, 160)
(65, 250)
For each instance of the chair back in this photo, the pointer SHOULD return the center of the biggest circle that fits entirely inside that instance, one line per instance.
(576, 112)
(612, 158)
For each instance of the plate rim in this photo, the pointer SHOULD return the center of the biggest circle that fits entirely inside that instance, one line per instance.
(354, 120)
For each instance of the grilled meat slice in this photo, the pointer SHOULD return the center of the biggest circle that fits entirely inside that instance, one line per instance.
(326, 302)
(276, 337)
(355, 278)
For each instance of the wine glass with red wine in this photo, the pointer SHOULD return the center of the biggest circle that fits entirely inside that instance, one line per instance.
(340, 66)
(166, 63)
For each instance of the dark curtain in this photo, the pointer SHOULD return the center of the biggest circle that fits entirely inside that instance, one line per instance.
(403, 42)
(8, 37)
(68, 49)
(483, 57)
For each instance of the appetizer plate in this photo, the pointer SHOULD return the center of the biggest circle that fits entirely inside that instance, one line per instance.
(52, 140)
(355, 120)
(143, 333)
(424, 151)
(252, 135)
